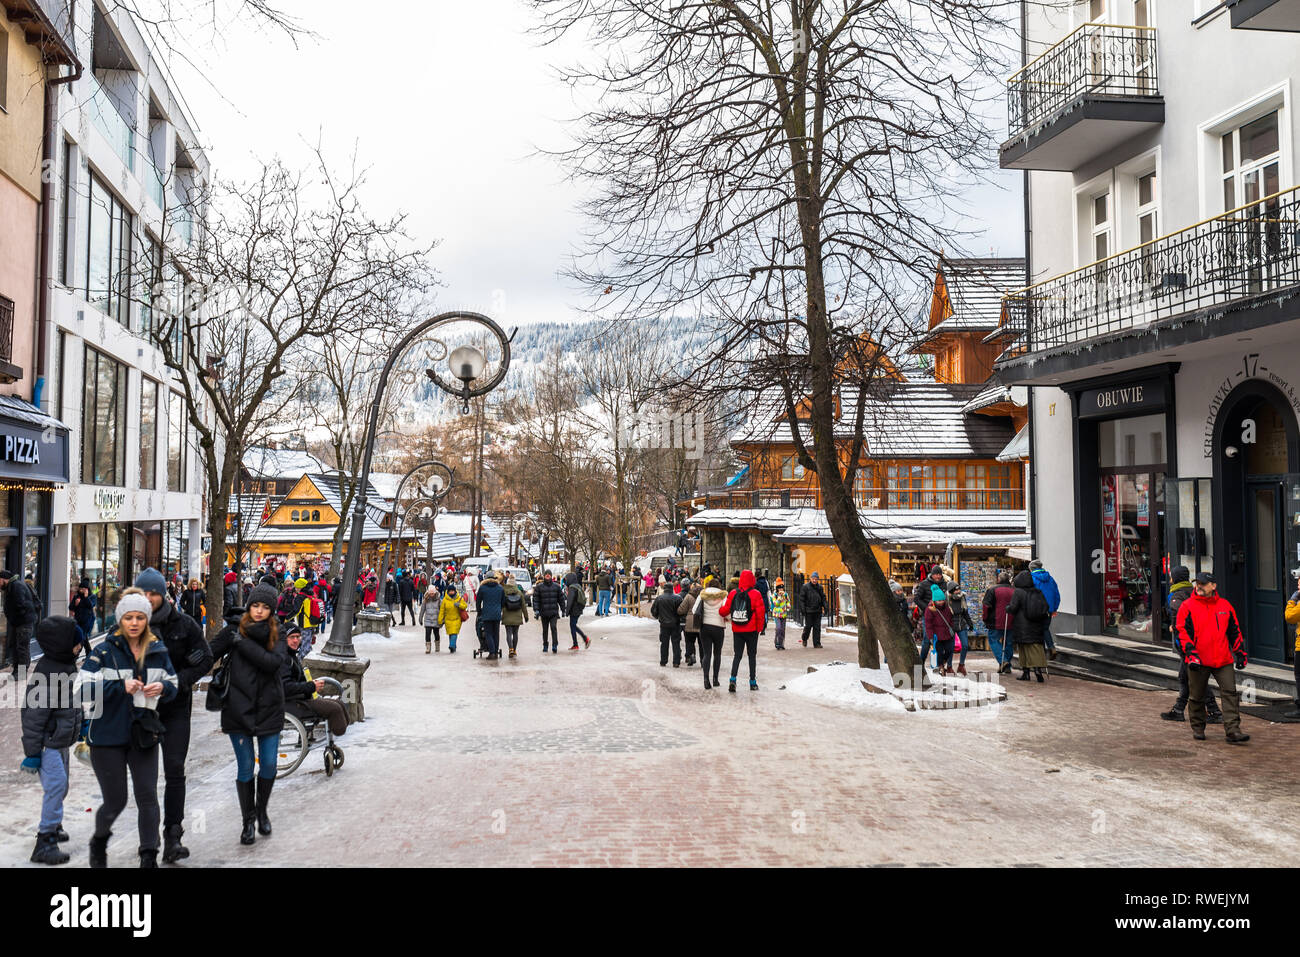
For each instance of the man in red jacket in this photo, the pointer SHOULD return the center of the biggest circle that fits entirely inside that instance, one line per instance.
(745, 607)
(1210, 637)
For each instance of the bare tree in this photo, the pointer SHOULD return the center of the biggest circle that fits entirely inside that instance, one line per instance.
(284, 259)
(782, 168)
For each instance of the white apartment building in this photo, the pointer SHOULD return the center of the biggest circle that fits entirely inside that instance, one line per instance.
(127, 150)
(1162, 330)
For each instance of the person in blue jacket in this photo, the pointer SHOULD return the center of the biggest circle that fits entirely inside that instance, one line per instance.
(1045, 583)
(121, 684)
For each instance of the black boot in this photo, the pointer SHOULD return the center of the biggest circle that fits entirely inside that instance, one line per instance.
(61, 835)
(149, 857)
(48, 851)
(99, 850)
(264, 786)
(1038, 673)
(247, 811)
(1024, 676)
(173, 849)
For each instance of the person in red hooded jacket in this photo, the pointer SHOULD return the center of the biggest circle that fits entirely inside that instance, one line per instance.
(745, 609)
(1211, 641)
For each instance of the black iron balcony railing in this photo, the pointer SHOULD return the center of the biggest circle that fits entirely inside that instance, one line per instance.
(6, 329)
(1097, 59)
(1246, 252)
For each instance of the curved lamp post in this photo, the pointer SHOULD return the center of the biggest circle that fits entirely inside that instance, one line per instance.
(441, 482)
(466, 364)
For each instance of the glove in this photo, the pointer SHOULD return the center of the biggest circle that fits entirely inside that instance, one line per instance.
(1240, 661)
(1193, 665)
(30, 765)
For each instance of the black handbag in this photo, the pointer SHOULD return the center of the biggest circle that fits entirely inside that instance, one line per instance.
(146, 729)
(219, 686)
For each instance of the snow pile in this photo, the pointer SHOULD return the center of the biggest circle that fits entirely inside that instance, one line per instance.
(619, 622)
(842, 684)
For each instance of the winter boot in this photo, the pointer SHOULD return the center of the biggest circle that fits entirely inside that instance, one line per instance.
(61, 834)
(1214, 717)
(148, 857)
(1173, 714)
(1038, 673)
(248, 811)
(731, 685)
(707, 686)
(1237, 737)
(48, 851)
(1024, 676)
(173, 849)
(436, 645)
(428, 648)
(753, 685)
(264, 786)
(99, 850)
(961, 670)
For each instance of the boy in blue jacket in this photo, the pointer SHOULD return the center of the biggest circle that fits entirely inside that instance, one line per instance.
(50, 721)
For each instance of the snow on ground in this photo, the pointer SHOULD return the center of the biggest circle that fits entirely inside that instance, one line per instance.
(608, 622)
(840, 683)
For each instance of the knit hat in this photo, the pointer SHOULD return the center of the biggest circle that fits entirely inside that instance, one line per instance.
(130, 603)
(6, 574)
(937, 594)
(1036, 564)
(300, 584)
(151, 580)
(230, 578)
(264, 593)
(1181, 573)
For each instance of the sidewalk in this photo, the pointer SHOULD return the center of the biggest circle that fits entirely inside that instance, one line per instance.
(600, 756)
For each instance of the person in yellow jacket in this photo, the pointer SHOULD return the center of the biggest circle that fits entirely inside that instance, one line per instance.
(1293, 618)
(449, 615)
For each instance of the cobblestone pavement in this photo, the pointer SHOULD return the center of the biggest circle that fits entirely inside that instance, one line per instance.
(601, 756)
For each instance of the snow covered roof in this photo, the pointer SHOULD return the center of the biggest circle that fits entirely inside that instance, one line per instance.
(975, 290)
(266, 463)
(991, 527)
(997, 393)
(386, 484)
(902, 420)
(1017, 449)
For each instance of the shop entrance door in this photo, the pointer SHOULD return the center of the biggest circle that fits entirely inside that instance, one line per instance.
(1132, 520)
(1265, 572)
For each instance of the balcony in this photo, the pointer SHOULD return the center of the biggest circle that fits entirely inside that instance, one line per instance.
(869, 499)
(9, 373)
(1225, 264)
(1083, 97)
(1280, 15)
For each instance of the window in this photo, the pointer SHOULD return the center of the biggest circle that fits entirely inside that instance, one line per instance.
(148, 433)
(791, 470)
(921, 486)
(315, 515)
(6, 328)
(103, 416)
(293, 516)
(177, 436)
(1251, 157)
(151, 282)
(1148, 223)
(4, 69)
(863, 489)
(67, 274)
(108, 254)
(988, 486)
(1100, 207)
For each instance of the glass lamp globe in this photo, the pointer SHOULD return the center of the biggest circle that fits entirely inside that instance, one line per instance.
(467, 363)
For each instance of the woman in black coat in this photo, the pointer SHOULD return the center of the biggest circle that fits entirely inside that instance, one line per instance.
(254, 705)
(1028, 611)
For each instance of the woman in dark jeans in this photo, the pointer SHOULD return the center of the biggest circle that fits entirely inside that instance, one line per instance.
(123, 681)
(254, 706)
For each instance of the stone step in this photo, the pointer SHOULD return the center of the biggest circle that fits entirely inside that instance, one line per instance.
(1097, 666)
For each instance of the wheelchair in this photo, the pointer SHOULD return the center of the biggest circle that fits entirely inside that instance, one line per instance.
(301, 735)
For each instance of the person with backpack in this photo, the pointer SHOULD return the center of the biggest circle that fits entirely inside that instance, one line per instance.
(1029, 613)
(50, 722)
(1180, 589)
(575, 599)
(940, 628)
(452, 612)
(288, 603)
(514, 612)
(997, 620)
(121, 684)
(428, 616)
(548, 605)
(812, 603)
(664, 610)
(780, 612)
(690, 620)
(309, 614)
(1045, 583)
(745, 610)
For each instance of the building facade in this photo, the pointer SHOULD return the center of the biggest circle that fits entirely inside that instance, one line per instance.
(125, 169)
(1161, 335)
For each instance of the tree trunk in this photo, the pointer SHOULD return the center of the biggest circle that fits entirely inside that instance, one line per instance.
(215, 596)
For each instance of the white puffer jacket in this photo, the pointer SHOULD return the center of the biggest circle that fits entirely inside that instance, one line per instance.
(710, 601)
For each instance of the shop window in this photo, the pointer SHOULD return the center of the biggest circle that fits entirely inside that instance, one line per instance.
(103, 418)
(1125, 443)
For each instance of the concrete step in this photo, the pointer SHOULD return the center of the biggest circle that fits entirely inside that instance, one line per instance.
(1123, 657)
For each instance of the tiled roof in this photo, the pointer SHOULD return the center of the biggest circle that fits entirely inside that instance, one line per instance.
(902, 420)
(976, 288)
(994, 394)
(992, 527)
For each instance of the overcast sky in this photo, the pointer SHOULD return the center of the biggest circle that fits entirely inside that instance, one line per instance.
(446, 104)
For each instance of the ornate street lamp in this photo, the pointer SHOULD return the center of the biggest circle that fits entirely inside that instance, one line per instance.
(435, 487)
(467, 367)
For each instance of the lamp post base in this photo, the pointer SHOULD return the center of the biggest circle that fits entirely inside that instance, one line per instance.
(349, 672)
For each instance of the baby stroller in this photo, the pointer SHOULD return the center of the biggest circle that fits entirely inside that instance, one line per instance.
(482, 651)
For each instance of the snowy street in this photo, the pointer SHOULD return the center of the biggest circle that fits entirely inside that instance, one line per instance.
(602, 757)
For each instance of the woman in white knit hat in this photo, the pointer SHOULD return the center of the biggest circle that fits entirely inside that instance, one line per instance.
(122, 683)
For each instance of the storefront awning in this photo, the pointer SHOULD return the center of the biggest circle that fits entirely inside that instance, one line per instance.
(33, 445)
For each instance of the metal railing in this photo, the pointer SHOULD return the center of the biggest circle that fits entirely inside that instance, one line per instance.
(6, 329)
(870, 498)
(1097, 59)
(1250, 251)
